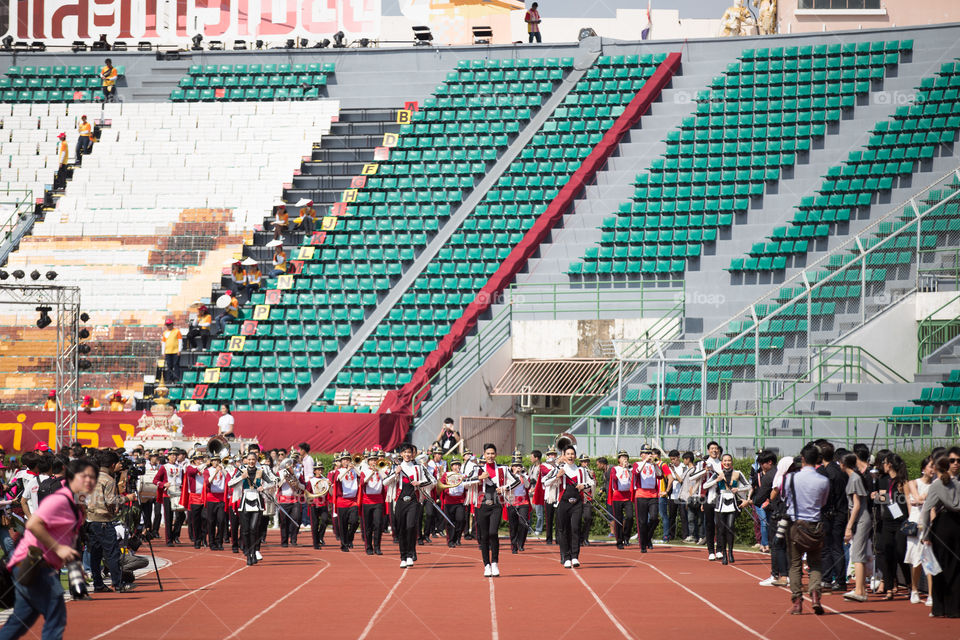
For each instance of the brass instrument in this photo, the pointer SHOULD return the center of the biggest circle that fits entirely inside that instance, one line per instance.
(384, 464)
(454, 479)
(323, 488)
(218, 446)
(563, 441)
(357, 459)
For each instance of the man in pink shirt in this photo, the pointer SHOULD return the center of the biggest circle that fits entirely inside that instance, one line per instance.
(52, 530)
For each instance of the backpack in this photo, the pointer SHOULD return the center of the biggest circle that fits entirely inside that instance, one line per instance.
(48, 486)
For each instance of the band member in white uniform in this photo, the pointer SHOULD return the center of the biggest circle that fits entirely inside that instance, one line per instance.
(620, 498)
(587, 523)
(150, 507)
(252, 483)
(470, 469)
(346, 488)
(518, 513)
(432, 521)
(289, 495)
(317, 494)
(453, 501)
(495, 482)
(373, 504)
(413, 481)
(169, 479)
(549, 495)
(570, 481)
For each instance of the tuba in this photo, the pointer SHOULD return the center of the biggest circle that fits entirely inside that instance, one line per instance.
(218, 446)
(565, 440)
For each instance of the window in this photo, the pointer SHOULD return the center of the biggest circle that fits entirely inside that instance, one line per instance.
(838, 5)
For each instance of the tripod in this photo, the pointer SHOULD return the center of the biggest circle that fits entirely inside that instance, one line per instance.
(147, 537)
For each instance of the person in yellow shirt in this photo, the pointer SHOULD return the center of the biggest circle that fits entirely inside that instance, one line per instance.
(171, 351)
(63, 157)
(90, 404)
(281, 221)
(230, 313)
(108, 75)
(117, 401)
(279, 262)
(532, 18)
(308, 217)
(252, 277)
(84, 141)
(199, 335)
(51, 403)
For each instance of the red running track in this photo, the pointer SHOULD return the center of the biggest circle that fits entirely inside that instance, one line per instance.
(672, 591)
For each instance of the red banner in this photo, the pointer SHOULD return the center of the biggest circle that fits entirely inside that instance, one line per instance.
(325, 432)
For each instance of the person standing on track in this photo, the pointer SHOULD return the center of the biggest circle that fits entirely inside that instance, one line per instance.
(620, 498)
(319, 513)
(549, 494)
(519, 514)
(215, 480)
(252, 484)
(413, 479)
(706, 471)
(346, 488)
(453, 499)
(191, 498)
(647, 474)
(587, 523)
(495, 481)
(569, 482)
(372, 503)
(805, 493)
(168, 480)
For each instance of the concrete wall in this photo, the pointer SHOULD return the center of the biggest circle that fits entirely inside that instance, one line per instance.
(892, 13)
(555, 339)
(892, 337)
(930, 301)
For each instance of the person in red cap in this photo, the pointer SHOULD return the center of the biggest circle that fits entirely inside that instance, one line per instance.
(63, 154)
(171, 351)
(51, 402)
(198, 337)
(308, 217)
(117, 401)
(89, 404)
(84, 141)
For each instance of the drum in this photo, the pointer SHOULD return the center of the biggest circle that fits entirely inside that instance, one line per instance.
(148, 492)
(174, 494)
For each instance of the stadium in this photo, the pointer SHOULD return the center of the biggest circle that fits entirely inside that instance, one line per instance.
(661, 226)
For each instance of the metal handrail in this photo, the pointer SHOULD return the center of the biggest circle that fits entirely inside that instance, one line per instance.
(926, 343)
(565, 298)
(8, 225)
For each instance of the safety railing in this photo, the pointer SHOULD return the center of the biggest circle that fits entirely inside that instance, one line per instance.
(593, 300)
(934, 331)
(14, 205)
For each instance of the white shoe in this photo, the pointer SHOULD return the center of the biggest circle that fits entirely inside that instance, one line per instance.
(768, 582)
(702, 541)
(712, 556)
(575, 562)
(689, 539)
(409, 562)
(403, 564)
(487, 571)
(929, 601)
(494, 570)
(914, 597)
(259, 556)
(567, 564)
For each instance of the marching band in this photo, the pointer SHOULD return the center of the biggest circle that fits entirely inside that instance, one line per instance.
(414, 496)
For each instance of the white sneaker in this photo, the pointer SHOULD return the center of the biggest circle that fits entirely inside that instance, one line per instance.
(409, 562)
(914, 597)
(689, 539)
(259, 556)
(567, 564)
(486, 571)
(403, 564)
(702, 541)
(929, 601)
(575, 562)
(494, 570)
(768, 582)
(712, 556)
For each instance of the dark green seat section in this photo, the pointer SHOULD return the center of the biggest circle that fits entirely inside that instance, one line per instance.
(750, 125)
(935, 404)
(59, 83)
(253, 82)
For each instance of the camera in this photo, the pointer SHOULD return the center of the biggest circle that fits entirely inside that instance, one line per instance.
(134, 468)
(781, 533)
(78, 586)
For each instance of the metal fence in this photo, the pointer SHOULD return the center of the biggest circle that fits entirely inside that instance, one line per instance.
(479, 430)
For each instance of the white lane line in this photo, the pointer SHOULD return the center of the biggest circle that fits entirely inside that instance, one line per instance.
(597, 599)
(376, 614)
(495, 635)
(696, 595)
(832, 610)
(167, 604)
(289, 593)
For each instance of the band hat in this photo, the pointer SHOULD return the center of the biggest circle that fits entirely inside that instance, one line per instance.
(584, 456)
(196, 456)
(622, 453)
(456, 461)
(517, 460)
(552, 451)
(250, 262)
(344, 454)
(274, 243)
(217, 458)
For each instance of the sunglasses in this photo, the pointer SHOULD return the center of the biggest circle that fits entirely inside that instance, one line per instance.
(954, 460)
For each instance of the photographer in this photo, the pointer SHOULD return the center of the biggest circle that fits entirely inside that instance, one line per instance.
(767, 499)
(101, 533)
(47, 543)
(805, 492)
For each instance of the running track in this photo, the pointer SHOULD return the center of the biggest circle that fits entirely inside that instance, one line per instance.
(615, 594)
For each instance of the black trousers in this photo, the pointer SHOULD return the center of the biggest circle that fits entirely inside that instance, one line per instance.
(348, 521)
(623, 511)
(407, 526)
(488, 525)
(587, 522)
(104, 547)
(670, 530)
(373, 515)
(172, 521)
(233, 524)
(171, 367)
(725, 531)
(199, 338)
(549, 517)
(779, 563)
(430, 518)
(250, 530)
(216, 521)
(648, 516)
(569, 516)
(289, 529)
(319, 519)
(458, 516)
(893, 546)
(150, 510)
(710, 526)
(195, 524)
(518, 517)
(83, 145)
(834, 568)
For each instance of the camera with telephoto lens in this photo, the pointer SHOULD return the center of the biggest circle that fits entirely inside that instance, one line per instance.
(781, 533)
(134, 468)
(78, 586)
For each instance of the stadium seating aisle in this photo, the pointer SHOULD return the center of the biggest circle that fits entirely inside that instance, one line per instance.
(28, 144)
(452, 139)
(148, 220)
(750, 126)
(897, 148)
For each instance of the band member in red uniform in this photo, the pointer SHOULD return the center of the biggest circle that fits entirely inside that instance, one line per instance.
(470, 469)
(346, 488)
(169, 479)
(373, 503)
(570, 482)
(495, 481)
(517, 508)
(587, 523)
(215, 480)
(620, 498)
(191, 498)
(413, 481)
(647, 474)
(453, 494)
(234, 496)
(432, 520)
(317, 493)
(289, 492)
(549, 495)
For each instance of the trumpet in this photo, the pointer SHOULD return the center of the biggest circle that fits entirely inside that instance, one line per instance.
(358, 459)
(384, 464)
